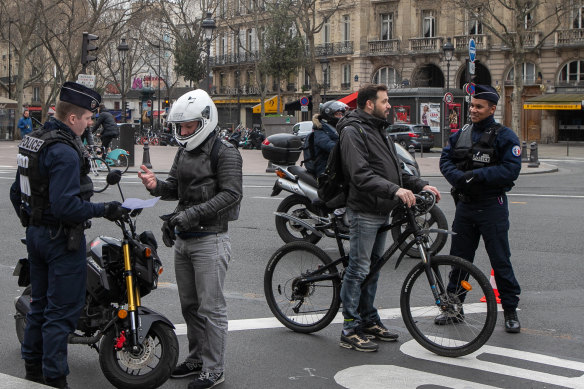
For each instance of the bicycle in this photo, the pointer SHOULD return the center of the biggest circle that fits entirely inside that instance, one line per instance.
(118, 158)
(302, 286)
(99, 170)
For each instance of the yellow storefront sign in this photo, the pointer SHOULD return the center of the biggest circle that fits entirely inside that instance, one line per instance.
(553, 106)
(242, 100)
(270, 106)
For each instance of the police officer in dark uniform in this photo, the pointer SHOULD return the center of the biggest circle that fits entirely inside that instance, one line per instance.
(51, 196)
(481, 162)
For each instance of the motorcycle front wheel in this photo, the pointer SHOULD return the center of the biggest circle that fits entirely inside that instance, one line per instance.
(301, 208)
(148, 368)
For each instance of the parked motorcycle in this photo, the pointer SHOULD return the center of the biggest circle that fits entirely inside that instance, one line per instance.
(303, 216)
(137, 346)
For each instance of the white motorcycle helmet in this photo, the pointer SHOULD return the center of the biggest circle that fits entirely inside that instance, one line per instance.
(193, 106)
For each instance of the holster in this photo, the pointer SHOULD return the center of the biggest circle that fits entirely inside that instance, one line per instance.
(24, 216)
(74, 236)
(455, 195)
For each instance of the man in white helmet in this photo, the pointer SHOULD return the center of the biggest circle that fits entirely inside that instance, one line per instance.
(206, 179)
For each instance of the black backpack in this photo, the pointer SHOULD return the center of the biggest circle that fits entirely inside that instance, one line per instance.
(308, 152)
(333, 186)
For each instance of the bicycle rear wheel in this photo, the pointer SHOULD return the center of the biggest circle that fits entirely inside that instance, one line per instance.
(300, 306)
(98, 173)
(122, 162)
(469, 323)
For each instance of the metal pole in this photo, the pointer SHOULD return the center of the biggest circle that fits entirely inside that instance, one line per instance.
(159, 123)
(123, 93)
(208, 66)
(9, 61)
(447, 76)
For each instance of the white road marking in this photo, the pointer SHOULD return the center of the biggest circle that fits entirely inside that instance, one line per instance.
(391, 376)
(471, 361)
(559, 196)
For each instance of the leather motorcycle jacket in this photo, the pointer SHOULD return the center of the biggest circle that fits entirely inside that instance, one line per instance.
(34, 186)
(215, 196)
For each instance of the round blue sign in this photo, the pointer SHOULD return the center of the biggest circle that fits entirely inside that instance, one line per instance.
(472, 50)
(304, 100)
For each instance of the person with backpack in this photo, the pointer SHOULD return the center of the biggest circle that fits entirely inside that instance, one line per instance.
(481, 162)
(319, 143)
(376, 184)
(206, 179)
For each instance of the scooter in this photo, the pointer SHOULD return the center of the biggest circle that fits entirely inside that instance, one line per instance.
(303, 216)
(137, 346)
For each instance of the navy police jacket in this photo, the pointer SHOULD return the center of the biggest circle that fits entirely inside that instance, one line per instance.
(493, 179)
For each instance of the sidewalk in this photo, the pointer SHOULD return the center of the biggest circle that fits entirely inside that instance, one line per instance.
(161, 158)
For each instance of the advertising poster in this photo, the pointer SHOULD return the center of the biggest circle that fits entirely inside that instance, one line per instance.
(401, 114)
(430, 115)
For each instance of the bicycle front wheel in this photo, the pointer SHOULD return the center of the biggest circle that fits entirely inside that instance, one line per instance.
(301, 306)
(98, 173)
(460, 324)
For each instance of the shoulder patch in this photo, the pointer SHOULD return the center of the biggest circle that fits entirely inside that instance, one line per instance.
(516, 150)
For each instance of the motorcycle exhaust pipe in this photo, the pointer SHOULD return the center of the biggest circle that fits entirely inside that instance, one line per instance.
(79, 339)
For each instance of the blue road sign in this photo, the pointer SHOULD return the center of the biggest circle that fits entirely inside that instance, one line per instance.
(304, 101)
(472, 50)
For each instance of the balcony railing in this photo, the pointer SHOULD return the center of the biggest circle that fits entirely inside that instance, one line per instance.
(531, 38)
(331, 49)
(229, 59)
(291, 87)
(572, 37)
(426, 45)
(461, 42)
(384, 47)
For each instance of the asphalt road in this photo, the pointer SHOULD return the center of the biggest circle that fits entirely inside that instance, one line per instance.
(546, 245)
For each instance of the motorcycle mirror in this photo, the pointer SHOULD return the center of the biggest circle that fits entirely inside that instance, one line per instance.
(114, 177)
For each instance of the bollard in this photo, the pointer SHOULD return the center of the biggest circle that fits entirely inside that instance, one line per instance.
(524, 156)
(412, 151)
(533, 159)
(146, 156)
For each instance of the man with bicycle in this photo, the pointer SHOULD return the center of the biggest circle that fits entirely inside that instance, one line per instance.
(376, 185)
(110, 129)
(481, 162)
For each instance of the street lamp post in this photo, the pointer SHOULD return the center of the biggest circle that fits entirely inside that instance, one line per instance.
(208, 26)
(324, 63)
(237, 80)
(9, 61)
(448, 50)
(158, 121)
(123, 51)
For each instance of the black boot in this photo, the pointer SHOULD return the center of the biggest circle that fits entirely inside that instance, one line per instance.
(512, 324)
(60, 382)
(34, 371)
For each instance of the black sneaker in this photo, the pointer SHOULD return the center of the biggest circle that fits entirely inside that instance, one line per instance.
(355, 339)
(207, 380)
(449, 317)
(186, 369)
(34, 371)
(379, 331)
(512, 324)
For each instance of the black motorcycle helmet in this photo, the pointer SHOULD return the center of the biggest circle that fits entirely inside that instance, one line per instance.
(328, 110)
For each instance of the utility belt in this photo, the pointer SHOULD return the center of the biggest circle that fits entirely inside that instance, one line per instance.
(458, 196)
(73, 233)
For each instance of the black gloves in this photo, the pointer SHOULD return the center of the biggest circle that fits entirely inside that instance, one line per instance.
(168, 235)
(114, 210)
(184, 220)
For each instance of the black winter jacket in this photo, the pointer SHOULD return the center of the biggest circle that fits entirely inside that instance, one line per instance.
(109, 126)
(215, 197)
(371, 163)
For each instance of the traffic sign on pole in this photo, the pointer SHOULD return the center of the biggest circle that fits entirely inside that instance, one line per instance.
(304, 101)
(472, 50)
(448, 98)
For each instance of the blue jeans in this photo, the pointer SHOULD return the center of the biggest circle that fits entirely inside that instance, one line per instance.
(365, 248)
(201, 265)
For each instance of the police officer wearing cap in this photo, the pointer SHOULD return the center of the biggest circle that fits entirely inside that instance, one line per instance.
(481, 162)
(51, 196)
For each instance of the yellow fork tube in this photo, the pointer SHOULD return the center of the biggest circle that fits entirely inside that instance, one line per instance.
(133, 296)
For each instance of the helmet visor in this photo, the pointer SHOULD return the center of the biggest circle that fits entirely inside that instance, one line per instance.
(187, 129)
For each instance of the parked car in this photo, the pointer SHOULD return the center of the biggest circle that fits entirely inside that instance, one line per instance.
(418, 135)
(302, 129)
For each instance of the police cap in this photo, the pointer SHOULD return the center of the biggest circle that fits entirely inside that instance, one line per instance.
(486, 92)
(80, 95)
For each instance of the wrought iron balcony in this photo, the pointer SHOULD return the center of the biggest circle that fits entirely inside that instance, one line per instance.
(384, 47)
(332, 49)
(573, 37)
(290, 87)
(461, 42)
(426, 45)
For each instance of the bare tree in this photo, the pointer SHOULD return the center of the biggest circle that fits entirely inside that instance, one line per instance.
(517, 33)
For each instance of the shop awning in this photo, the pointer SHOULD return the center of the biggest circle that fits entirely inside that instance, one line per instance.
(556, 101)
(350, 100)
(270, 106)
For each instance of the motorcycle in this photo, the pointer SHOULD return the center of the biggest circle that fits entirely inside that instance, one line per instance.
(137, 346)
(303, 216)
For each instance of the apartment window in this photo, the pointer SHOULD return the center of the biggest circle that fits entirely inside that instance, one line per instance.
(222, 8)
(529, 73)
(386, 27)
(346, 73)
(249, 40)
(223, 45)
(578, 15)
(36, 94)
(326, 32)
(346, 28)
(326, 75)
(385, 75)
(573, 71)
(306, 79)
(428, 24)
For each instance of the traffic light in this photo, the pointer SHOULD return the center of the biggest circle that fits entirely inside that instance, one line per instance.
(165, 104)
(127, 107)
(87, 47)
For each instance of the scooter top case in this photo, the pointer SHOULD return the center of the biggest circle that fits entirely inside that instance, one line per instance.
(282, 149)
